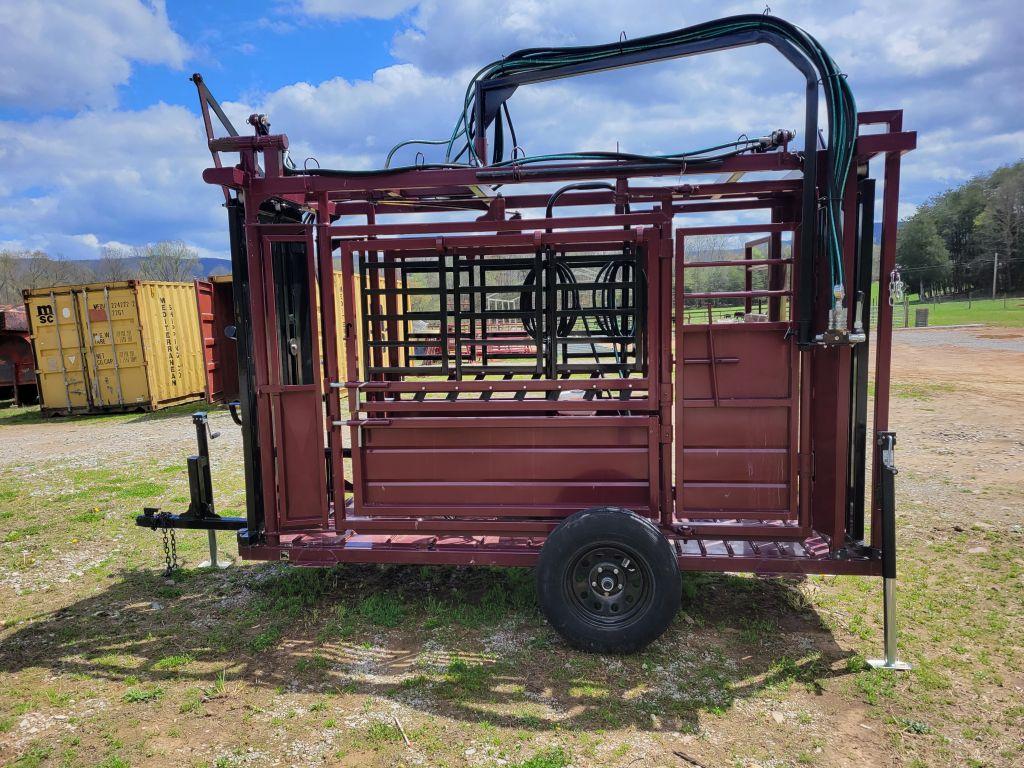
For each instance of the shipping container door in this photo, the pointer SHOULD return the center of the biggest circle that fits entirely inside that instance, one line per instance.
(291, 397)
(59, 354)
(115, 368)
(211, 347)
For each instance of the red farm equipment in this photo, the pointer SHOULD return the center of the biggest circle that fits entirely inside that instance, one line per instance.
(542, 377)
(17, 365)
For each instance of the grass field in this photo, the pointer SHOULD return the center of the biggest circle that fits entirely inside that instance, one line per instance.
(106, 663)
(1007, 314)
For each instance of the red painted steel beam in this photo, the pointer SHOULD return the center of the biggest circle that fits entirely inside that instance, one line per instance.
(779, 565)
(532, 385)
(737, 229)
(891, 117)
(233, 177)
(359, 184)
(879, 143)
(463, 526)
(748, 263)
(736, 294)
(514, 225)
(378, 549)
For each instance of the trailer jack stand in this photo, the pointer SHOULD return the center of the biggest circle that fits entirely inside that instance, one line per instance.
(200, 514)
(885, 445)
(213, 562)
(889, 610)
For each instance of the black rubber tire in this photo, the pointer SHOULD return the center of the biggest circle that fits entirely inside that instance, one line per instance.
(602, 531)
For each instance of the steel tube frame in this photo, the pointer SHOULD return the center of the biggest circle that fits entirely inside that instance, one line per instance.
(335, 196)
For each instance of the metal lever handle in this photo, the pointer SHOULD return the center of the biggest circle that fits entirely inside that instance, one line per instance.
(368, 422)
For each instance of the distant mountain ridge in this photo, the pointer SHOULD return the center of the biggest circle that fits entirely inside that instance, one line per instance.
(207, 266)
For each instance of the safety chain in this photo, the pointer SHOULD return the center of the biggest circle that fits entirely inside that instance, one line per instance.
(170, 550)
(895, 287)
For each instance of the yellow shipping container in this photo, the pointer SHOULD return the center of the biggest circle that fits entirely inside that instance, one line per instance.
(213, 361)
(339, 304)
(120, 346)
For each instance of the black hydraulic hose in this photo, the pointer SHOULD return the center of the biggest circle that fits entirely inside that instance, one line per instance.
(338, 172)
(579, 186)
(571, 302)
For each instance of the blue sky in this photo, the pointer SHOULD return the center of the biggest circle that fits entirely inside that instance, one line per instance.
(100, 140)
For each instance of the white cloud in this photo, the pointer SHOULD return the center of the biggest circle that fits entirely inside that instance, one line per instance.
(72, 185)
(445, 35)
(914, 39)
(352, 9)
(66, 54)
(352, 124)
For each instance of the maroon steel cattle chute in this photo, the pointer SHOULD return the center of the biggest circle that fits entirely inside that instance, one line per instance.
(539, 371)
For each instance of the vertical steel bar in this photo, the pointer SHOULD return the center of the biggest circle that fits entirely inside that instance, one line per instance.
(679, 264)
(442, 286)
(883, 351)
(712, 359)
(861, 353)
(211, 538)
(274, 379)
(395, 353)
(264, 334)
(748, 278)
(242, 301)
(550, 277)
(457, 313)
(776, 272)
(352, 334)
(660, 361)
(884, 452)
(540, 339)
(330, 369)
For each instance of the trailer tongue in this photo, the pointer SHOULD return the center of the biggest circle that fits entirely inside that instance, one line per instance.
(566, 378)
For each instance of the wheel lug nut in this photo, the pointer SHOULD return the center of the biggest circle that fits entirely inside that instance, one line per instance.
(615, 571)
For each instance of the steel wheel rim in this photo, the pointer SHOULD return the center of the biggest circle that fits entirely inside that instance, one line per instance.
(607, 585)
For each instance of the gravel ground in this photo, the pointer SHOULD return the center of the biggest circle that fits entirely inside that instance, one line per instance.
(995, 339)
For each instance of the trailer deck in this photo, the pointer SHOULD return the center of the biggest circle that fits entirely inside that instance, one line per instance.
(812, 555)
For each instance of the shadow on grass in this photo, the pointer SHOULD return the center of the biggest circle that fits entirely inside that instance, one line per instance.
(468, 643)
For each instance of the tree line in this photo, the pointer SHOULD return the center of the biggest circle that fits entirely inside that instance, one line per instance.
(170, 260)
(958, 239)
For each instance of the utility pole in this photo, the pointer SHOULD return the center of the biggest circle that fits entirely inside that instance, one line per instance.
(995, 266)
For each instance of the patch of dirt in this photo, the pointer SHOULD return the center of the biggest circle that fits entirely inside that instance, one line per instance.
(99, 442)
(967, 425)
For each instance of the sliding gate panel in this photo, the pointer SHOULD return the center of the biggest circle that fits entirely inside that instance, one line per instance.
(736, 417)
(291, 391)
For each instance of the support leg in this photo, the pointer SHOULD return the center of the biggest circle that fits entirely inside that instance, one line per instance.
(213, 562)
(884, 450)
(889, 611)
